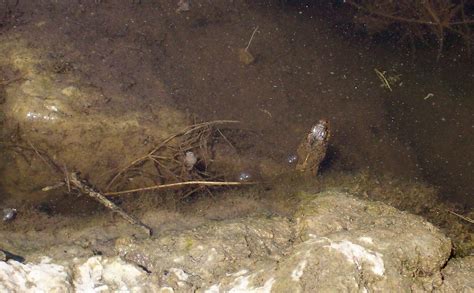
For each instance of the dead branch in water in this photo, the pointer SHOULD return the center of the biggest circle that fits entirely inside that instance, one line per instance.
(85, 188)
(417, 19)
(467, 219)
(72, 180)
(167, 156)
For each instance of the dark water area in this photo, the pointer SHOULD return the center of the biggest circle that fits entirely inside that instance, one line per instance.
(311, 64)
(430, 109)
(441, 130)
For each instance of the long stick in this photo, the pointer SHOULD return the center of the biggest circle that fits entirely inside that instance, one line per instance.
(178, 184)
(462, 217)
(84, 188)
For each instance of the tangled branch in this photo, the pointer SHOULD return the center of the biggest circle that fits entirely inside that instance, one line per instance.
(418, 20)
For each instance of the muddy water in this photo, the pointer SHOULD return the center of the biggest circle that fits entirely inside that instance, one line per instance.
(305, 69)
(434, 116)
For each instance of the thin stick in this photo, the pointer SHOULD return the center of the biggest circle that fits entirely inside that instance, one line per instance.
(382, 78)
(462, 217)
(84, 188)
(191, 192)
(52, 187)
(179, 184)
(251, 38)
(225, 138)
(49, 162)
(7, 82)
(68, 182)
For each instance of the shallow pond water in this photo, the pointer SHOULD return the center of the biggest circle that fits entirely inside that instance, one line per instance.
(143, 69)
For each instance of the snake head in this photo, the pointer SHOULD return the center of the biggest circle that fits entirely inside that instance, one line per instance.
(319, 132)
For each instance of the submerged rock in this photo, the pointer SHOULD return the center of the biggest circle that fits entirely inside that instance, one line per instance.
(458, 275)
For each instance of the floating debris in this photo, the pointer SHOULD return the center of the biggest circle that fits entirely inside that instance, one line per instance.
(429, 95)
(244, 54)
(388, 81)
(245, 57)
(183, 5)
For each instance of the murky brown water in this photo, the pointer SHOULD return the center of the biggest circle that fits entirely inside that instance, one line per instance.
(150, 62)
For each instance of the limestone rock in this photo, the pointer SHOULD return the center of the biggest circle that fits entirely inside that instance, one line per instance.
(458, 275)
(334, 242)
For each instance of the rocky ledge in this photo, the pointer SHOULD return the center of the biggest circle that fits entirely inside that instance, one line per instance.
(334, 242)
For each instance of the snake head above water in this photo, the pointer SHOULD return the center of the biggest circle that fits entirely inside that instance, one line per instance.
(319, 132)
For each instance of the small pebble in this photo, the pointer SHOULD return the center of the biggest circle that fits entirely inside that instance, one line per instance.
(190, 160)
(9, 214)
(244, 176)
(292, 159)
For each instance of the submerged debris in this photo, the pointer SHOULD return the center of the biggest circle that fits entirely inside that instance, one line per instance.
(244, 54)
(85, 188)
(169, 162)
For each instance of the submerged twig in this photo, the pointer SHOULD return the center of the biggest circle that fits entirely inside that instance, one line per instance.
(419, 19)
(88, 190)
(251, 38)
(68, 181)
(225, 139)
(151, 154)
(383, 79)
(7, 82)
(467, 219)
(48, 161)
(52, 187)
(180, 184)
